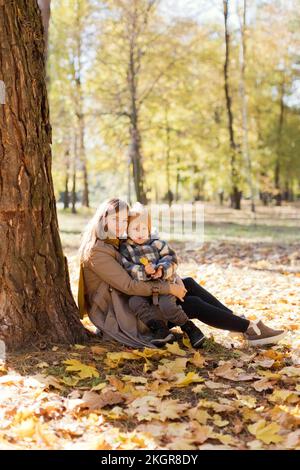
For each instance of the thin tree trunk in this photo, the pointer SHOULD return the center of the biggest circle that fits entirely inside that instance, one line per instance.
(35, 295)
(82, 152)
(135, 137)
(177, 178)
(74, 174)
(79, 105)
(236, 194)
(168, 156)
(67, 177)
(277, 169)
(246, 150)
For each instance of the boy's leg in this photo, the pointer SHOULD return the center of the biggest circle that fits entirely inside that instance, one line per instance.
(171, 311)
(174, 313)
(143, 308)
(151, 316)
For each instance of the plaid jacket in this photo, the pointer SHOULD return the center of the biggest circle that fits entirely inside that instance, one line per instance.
(158, 252)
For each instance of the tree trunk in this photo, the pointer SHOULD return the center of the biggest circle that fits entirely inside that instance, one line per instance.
(79, 101)
(135, 137)
(74, 174)
(277, 169)
(236, 194)
(67, 175)
(177, 178)
(246, 150)
(82, 153)
(45, 10)
(135, 155)
(35, 295)
(168, 157)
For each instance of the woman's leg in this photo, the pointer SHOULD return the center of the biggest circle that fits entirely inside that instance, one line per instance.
(197, 308)
(193, 288)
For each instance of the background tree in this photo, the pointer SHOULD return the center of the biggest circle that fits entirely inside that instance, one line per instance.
(35, 295)
(153, 99)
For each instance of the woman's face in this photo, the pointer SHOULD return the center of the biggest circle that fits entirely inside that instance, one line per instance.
(117, 223)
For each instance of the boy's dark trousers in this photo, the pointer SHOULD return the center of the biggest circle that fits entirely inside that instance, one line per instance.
(167, 309)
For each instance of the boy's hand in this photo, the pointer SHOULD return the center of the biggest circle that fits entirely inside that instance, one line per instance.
(149, 269)
(158, 273)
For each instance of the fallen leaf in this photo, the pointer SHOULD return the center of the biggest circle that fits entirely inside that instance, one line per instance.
(267, 433)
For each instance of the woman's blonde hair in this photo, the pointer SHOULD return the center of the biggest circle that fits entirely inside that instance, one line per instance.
(97, 226)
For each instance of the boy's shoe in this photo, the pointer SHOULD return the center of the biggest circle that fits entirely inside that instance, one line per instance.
(195, 335)
(259, 334)
(160, 332)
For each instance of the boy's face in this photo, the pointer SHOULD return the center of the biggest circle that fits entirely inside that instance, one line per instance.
(138, 231)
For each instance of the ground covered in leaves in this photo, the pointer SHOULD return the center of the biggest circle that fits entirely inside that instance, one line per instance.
(225, 396)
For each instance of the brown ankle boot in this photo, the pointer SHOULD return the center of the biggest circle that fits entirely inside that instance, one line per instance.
(259, 334)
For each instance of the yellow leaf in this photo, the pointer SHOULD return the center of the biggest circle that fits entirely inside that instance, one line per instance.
(267, 433)
(100, 386)
(176, 366)
(160, 388)
(269, 374)
(224, 438)
(70, 381)
(134, 379)
(174, 348)
(186, 342)
(113, 359)
(198, 360)
(218, 421)
(250, 414)
(83, 370)
(281, 396)
(25, 428)
(199, 415)
(184, 380)
(198, 389)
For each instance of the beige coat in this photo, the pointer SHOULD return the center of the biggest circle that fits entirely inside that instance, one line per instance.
(107, 288)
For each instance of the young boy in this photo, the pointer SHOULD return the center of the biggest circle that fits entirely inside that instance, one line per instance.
(147, 258)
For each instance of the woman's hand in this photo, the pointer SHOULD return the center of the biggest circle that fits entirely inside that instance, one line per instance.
(179, 281)
(178, 290)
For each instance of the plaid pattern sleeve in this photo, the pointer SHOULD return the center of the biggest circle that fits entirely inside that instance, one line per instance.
(130, 261)
(168, 259)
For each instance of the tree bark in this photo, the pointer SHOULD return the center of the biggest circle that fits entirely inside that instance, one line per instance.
(246, 150)
(135, 146)
(79, 101)
(74, 174)
(35, 294)
(67, 177)
(277, 169)
(236, 194)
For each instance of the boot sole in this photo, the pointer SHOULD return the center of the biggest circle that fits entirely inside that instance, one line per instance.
(160, 341)
(198, 343)
(270, 340)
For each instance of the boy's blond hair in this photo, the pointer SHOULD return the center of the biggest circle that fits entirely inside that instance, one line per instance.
(138, 211)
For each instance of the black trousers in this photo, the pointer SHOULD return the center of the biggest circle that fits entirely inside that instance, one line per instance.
(200, 304)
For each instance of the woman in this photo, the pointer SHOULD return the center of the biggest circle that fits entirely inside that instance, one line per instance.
(105, 287)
